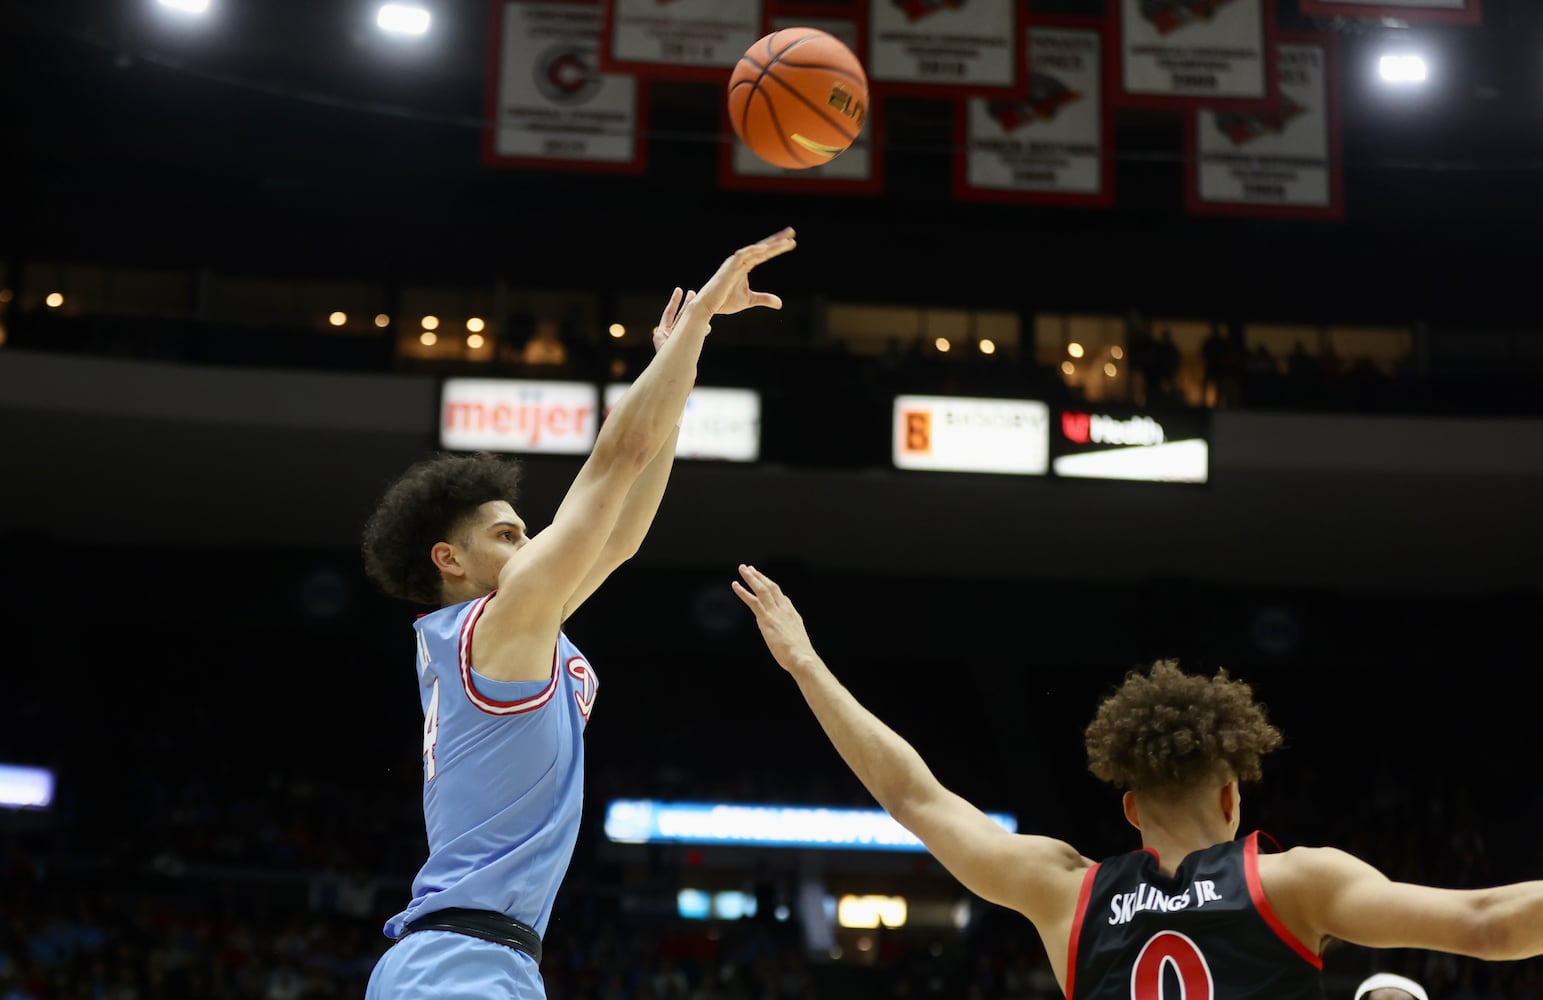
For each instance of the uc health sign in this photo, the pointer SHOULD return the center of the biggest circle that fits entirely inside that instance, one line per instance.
(1097, 443)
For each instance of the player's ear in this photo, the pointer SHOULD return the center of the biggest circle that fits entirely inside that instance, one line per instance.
(1132, 813)
(446, 559)
(1231, 799)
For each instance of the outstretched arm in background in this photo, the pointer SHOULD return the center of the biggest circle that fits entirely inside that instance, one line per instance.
(1034, 875)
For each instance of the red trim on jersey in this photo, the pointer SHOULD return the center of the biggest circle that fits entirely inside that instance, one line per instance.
(1083, 896)
(486, 704)
(1262, 903)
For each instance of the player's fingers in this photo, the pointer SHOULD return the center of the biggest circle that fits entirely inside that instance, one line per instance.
(763, 583)
(746, 596)
(766, 299)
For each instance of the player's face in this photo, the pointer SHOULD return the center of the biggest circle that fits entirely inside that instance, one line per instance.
(499, 533)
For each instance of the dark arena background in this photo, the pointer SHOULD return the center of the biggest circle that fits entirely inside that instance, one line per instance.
(1089, 356)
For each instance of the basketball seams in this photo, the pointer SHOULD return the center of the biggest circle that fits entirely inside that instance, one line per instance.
(775, 56)
(818, 109)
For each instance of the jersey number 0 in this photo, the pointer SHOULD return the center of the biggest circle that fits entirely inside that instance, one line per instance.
(1165, 949)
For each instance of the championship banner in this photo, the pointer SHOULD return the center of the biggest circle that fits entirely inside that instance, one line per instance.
(1097, 442)
(548, 104)
(679, 39)
(1284, 162)
(943, 47)
(1439, 11)
(856, 171)
(1183, 53)
(1054, 145)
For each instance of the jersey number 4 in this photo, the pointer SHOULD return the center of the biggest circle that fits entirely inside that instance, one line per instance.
(430, 732)
(1171, 949)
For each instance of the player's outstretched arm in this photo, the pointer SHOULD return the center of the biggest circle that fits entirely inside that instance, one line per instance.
(1343, 897)
(1028, 873)
(534, 589)
(642, 502)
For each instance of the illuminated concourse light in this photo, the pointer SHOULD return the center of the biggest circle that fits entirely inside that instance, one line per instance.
(618, 331)
(186, 6)
(988, 346)
(338, 318)
(54, 300)
(476, 325)
(382, 320)
(1402, 69)
(428, 338)
(942, 345)
(1067, 368)
(402, 19)
(1074, 349)
(1117, 352)
(431, 322)
(475, 341)
(1110, 370)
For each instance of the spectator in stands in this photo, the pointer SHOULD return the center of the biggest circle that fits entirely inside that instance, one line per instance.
(545, 347)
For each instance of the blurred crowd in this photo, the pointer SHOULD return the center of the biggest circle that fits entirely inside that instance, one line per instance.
(277, 889)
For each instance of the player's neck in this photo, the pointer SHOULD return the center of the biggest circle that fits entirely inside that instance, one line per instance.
(1176, 836)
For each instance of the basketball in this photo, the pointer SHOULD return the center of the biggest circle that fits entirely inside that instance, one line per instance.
(798, 98)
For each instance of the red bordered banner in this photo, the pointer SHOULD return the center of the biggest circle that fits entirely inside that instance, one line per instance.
(1438, 11)
(547, 102)
(679, 39)
(859, 170)
(1185, 54)
(1283, 163)
(945, 48)
(1056, 144)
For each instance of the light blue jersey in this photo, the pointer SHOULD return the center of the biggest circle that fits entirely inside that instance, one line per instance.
(503, 777)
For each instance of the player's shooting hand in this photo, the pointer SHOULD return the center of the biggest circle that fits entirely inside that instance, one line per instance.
(781, 625)
(728, 290)
(672, 311)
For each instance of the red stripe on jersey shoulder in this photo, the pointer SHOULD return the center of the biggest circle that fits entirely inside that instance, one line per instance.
(1083, 897)
(489, 705)
(1262, 903)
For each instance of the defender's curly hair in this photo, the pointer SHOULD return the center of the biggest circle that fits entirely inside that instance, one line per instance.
(427, 504)
(1165, 729)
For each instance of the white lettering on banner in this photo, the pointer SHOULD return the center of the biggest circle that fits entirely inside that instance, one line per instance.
(511, 415)
(1137, 430)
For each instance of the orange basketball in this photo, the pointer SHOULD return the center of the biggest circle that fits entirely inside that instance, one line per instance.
(798, 97)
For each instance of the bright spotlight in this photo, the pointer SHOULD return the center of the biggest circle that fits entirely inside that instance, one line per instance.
(1403, 69)
(187, 6)
(402, 19)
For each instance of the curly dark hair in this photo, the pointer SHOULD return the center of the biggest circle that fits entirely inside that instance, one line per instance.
(427, 504)
(1163, 729)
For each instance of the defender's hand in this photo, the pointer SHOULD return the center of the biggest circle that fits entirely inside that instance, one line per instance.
(781, 625)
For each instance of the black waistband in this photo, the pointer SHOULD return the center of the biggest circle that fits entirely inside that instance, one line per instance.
(484, 924)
